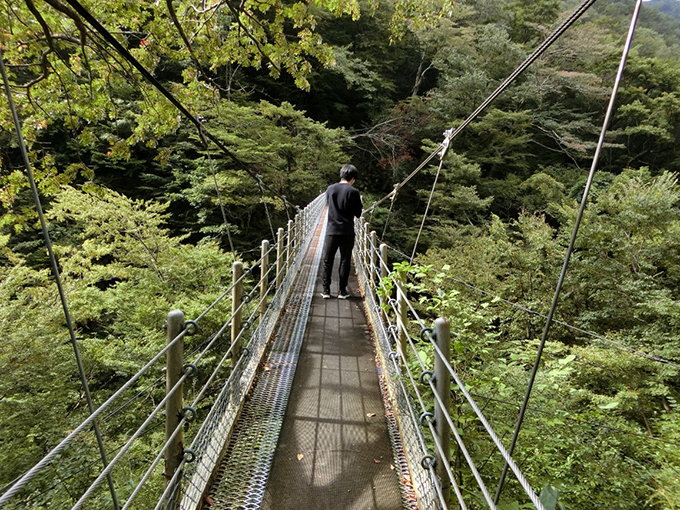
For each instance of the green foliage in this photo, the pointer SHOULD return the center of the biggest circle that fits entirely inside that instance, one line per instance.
(122, 274)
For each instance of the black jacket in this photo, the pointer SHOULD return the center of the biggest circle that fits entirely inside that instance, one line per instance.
(344, 203)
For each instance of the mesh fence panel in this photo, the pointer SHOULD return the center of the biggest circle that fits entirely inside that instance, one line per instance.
(408, 440)
(209, 443)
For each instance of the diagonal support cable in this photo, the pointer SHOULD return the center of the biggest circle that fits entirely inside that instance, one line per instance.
(572, 241)
(108, 37)
(452, 133)
(57, 275)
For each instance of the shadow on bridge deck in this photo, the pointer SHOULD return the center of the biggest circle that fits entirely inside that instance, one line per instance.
(334, 450)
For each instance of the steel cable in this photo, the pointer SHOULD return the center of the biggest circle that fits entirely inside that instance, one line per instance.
(452, 133)
(108, 37)
(572, 241)
(56, 274)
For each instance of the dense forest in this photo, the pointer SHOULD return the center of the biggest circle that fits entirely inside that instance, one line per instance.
(133, 190)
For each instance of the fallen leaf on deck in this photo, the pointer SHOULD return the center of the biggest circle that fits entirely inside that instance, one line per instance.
(370, 415)
(300, 456)
(376, 461)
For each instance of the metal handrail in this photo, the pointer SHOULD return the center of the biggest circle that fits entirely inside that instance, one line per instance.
(396, 321)
(273, 285)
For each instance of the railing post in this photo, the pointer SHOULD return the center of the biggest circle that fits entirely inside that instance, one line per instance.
(383, 271)
(402, 316)
(279, 258)
(264, 277)
(373, 256)
(173, 407)
(383, 260)
(364, 242)
(442, 335)
(236, 312)
(289, 247)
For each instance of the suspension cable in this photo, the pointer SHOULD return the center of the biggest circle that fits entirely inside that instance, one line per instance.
(217, 188)
(572, 241)
(429, 200)
(108, 37)
(57, 275)
(452, 133)
(266, 209)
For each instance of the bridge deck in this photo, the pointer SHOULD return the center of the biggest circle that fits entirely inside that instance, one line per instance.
(334, 450)
(313, 433)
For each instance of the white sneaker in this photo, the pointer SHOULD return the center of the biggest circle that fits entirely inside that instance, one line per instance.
(326, 295)
(343, 294)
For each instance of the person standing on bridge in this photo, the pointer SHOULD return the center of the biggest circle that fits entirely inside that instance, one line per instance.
(344, 204)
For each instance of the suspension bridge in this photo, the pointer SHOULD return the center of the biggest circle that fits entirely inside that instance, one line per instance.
(326, 403)
(320, 409)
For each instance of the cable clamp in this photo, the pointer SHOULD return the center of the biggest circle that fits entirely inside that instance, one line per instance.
(190, 370)
(427, 377)
(428, 462)
(429, 332)
(191, 327)
(189, 413)
(426, 416)
(189, 456)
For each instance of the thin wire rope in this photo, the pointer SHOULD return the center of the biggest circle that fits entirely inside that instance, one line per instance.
(72, 475)
(266, 209)
(389, 212)
(107, 471)
(423, 407)
(219, 195)
(438, 446)
(154, 463)
(520, 477)
(145, 391)
(631, 350)
(572, 241)
(56, 274)
(578, 420)
(47, 459)
(452, 133)
(108, 37)
(499, 445)
(405, 391)
(427, 208)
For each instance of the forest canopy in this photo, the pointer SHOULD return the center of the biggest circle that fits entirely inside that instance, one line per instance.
(147, 212)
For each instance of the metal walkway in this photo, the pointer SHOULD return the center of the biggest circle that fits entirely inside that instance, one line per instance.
(334, 448)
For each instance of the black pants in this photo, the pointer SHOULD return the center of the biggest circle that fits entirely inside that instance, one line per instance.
(333, 242)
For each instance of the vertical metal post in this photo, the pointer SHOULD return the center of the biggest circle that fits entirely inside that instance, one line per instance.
(236, 312)
(402, 316)
(289, 247)
(364, 242)
(373, 256)
(173, 407)
(383, 271)
(442, 335)
(279, 258)
(264, 277)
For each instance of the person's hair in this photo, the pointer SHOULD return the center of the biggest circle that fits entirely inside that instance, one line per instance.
(349, 172)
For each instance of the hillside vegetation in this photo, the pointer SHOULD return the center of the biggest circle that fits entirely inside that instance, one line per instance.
(294, 89)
